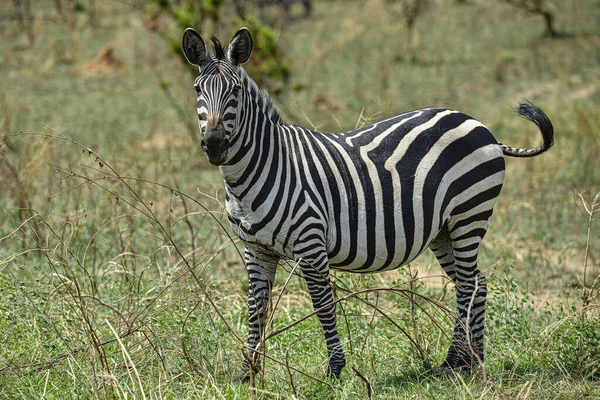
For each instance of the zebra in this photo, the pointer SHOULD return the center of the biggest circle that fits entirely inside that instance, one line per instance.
(364, 201)
(287, 6)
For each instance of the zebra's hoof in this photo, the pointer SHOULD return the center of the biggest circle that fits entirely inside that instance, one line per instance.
(334, 372)
(336, 364)
(447, 369)
(241, 377)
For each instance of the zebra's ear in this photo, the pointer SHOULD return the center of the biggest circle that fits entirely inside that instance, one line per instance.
(240, 48)
(194, 48)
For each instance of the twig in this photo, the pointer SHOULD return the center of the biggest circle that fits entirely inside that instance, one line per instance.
(365, 380)
(287, 367)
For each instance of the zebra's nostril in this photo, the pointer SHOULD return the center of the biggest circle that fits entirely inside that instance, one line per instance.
(203, 144)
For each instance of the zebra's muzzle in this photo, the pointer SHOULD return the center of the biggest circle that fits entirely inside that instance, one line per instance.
(215, 145)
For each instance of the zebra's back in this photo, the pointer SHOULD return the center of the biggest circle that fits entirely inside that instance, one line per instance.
(399, 181)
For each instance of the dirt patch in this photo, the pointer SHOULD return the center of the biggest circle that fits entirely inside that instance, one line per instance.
(104, 63)
(162, 141)
(325, 104)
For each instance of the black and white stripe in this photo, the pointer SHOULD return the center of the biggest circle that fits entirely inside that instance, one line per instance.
(364, 201)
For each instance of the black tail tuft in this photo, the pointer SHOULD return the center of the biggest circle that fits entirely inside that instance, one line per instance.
(532, 113)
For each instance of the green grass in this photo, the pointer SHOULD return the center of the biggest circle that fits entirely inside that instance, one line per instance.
(130, 242)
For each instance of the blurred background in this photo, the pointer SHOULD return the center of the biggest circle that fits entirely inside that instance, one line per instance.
(109, 211)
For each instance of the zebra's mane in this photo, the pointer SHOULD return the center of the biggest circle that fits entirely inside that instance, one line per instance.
(218, 48)
(261, 98)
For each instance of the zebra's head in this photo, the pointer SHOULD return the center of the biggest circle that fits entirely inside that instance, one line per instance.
(218, 87)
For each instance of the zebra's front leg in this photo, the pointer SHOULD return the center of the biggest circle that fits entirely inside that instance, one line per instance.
(316, 274)
(261, 273)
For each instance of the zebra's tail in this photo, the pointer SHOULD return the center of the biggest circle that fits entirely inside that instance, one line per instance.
(537, 116)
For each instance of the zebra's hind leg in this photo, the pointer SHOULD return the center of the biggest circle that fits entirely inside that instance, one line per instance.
(456, 249)
(442, 248)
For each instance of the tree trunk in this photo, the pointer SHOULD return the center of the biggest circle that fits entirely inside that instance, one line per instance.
(26, 20)
(240, 8)
(71, 13)
(60, 10)
(92, 15)
(410, 38)
(549, 20)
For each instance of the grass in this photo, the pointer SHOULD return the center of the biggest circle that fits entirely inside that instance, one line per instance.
(118, 281)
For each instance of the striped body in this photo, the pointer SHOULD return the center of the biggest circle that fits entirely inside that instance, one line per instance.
(377, 196)
(368, 200)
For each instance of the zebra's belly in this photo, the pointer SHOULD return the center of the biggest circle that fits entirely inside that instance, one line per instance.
(377, 254)
(360, 263)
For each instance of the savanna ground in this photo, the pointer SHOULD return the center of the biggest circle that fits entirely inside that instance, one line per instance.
(119, 280)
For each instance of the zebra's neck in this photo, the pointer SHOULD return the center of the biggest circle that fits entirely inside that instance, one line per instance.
(258, 131)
